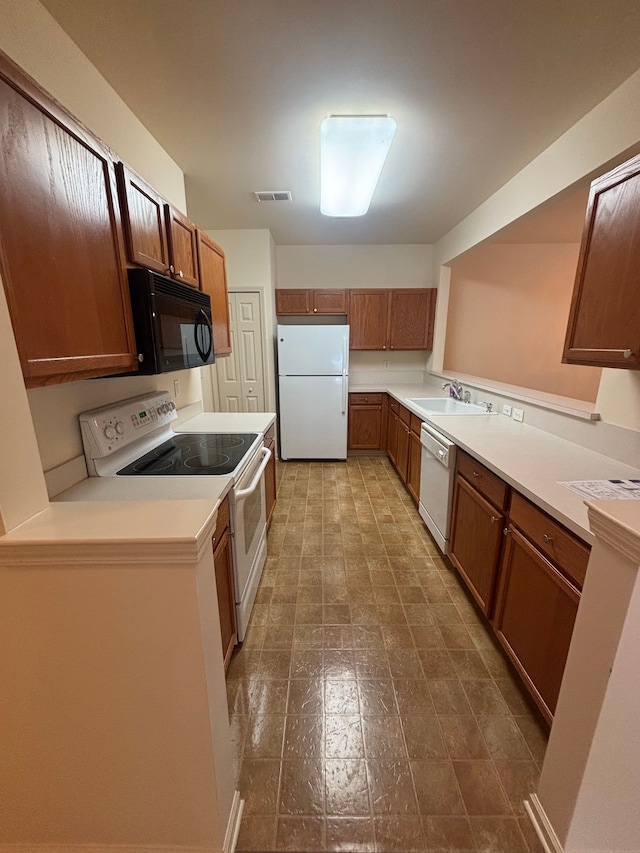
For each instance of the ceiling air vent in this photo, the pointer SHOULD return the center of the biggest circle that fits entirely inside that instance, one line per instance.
(273, 195)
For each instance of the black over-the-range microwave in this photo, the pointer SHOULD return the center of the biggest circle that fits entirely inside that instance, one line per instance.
(172, 323)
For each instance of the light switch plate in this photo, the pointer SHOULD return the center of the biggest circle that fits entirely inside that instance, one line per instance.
(518, 414)
(506, 410)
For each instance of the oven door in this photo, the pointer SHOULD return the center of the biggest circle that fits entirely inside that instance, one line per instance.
(249, 535)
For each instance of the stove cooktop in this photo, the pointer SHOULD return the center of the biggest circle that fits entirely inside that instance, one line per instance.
(206, 454)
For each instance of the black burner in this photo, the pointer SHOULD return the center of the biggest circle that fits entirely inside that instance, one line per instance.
(200, 453)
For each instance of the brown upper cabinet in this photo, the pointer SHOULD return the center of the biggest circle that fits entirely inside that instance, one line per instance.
(213, 280)
(396, 319)
(604, 319)
(303, 301)
(62, 258)
(158, 236)
(143, 221)
(183, 251)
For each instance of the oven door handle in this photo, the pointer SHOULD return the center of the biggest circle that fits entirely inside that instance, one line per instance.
(241, 494)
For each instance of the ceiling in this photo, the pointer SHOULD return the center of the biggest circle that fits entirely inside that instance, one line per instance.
(235, 91)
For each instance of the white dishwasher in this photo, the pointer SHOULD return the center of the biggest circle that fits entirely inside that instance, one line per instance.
(436, 484)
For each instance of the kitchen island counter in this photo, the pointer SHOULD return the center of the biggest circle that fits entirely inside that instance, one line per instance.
(531, 460)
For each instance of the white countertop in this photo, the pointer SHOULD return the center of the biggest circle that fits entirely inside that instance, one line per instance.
(228, 422)
(117, 532)
(211, 489)
(529, 459)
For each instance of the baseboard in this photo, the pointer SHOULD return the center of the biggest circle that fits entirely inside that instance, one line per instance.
(233, 825)
(542, 825)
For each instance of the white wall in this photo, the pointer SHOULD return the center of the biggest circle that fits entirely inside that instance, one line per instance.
(355, 266)
(31, 37)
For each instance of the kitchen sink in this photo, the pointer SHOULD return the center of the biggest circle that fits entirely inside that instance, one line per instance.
(447, 406)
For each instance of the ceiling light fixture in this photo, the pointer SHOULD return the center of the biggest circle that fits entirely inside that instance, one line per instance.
(352, 153)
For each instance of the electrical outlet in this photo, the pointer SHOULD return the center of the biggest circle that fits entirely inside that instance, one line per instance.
(518, 414)
(176, 387)
(385, 365)
(506, 410)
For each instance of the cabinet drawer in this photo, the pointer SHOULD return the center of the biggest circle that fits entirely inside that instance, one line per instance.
(405, 415)
(365, 399)
(394, 405)
(416, 424)
(222, 522)
(560, 546)
(485, 481)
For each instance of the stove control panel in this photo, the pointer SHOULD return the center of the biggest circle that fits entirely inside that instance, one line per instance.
(110, 428)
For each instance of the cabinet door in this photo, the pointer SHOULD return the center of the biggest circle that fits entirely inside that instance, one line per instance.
(411, 317)
(535, 613)
(223, 564)
(329, 301)
(142, 221)
(393, 424)
(604, 320)
(213, 280)
(293, 302)
(365, 427)
(183, 250)
(402, 453)
(368, 319)
(415, 463)
(476, 538)
(270, 476)
(62, 256)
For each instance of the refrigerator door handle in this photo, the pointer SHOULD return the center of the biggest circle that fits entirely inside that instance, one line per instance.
(345, 356)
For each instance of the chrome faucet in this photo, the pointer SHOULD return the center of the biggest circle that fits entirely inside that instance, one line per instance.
(455, 388)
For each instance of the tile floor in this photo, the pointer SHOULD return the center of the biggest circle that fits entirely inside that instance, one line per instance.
(370, 707)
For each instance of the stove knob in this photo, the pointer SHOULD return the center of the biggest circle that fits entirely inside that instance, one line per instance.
(120, 428)
(172, 407)
(109, 432)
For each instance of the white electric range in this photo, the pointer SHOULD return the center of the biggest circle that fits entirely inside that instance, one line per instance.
(134, 446)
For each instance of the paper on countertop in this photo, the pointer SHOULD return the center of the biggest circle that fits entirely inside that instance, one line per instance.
(606, 490)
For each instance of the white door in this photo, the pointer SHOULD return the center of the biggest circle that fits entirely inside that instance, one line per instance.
(313, 350)
(313, 417)
(241, 375)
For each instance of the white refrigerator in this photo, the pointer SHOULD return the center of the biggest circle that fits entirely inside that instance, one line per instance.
(313, 383)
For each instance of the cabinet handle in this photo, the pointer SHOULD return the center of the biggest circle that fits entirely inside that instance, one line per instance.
(494, 518)
(391, 347)
(180, 274)
(505, 530)
(627, 353)
(476, 474)
(213, 541)
(383, 347)
(315, 310)
(546, 538)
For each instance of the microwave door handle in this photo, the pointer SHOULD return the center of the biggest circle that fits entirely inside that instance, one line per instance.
(202, 321)
(241, 494)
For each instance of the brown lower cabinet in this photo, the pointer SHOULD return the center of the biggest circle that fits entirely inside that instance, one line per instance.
(524, 569)
(476, 539)
(414, 462)
(366, 430)
(535, 612)
(223, 566)
(270, 473)
(479, 498)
